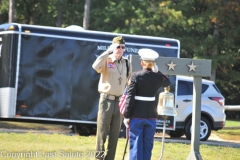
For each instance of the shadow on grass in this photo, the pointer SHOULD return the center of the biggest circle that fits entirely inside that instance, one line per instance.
(32, 126)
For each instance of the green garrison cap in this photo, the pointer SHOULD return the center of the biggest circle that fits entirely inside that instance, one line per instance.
(119, 40)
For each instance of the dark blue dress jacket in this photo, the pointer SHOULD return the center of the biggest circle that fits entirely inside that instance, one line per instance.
(144, 83)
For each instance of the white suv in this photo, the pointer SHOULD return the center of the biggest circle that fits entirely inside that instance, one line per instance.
(212, 108)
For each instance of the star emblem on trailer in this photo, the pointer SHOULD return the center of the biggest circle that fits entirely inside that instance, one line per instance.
(171, 66)
(192, 67)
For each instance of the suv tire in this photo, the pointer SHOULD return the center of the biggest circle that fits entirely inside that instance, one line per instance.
(176, 134)
(205, 129)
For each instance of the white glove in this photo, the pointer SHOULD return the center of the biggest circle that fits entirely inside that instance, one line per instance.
(126, 122)
(155, 68)
(112, 47)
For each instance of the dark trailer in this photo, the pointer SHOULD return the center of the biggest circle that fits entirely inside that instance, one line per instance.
(46, 73)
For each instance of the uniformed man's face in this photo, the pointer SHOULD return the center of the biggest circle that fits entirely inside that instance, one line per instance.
(118, 52)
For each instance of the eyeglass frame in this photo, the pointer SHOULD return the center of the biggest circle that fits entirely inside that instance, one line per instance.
(118, 47)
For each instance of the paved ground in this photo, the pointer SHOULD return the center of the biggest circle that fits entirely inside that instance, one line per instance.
(213, 139)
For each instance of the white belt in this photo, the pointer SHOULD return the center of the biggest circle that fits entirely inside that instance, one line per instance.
(145, 98)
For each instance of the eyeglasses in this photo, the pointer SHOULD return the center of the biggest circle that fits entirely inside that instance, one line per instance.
(123, 47)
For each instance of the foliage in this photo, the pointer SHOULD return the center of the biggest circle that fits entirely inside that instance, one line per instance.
(232, 114)
(4, 11)
(4, 6)
(45, 12)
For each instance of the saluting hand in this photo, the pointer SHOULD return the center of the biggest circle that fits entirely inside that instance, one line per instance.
(111, 48)
(155, 68)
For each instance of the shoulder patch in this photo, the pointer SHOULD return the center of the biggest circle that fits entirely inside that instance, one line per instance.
(109, 60)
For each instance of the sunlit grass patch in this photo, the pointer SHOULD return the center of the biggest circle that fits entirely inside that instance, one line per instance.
(59, 146)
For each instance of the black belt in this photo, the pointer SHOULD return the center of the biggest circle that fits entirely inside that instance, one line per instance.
(110, 97)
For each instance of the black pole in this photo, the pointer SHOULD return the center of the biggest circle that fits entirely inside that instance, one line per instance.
(125, 149)
(127, 136)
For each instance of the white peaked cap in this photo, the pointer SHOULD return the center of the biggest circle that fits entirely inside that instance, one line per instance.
(148, 54)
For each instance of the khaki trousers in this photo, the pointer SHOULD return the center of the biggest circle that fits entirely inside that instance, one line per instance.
(109, 122)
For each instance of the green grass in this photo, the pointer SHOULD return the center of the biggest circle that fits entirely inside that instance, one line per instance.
(58, 146)
(230, 134)
(232, 123)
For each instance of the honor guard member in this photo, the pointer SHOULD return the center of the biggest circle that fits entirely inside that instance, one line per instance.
(115, 71)
(141, 109)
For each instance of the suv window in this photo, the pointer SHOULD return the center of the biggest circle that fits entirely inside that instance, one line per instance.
(186, 88)
(216, 88)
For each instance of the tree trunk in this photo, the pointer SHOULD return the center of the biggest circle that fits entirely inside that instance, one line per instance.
(59, 13)
(11, 11)
(1, 19)
(86, 14)
(215, 48)
(1, 16)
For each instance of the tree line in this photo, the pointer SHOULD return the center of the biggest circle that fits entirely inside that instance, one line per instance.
(207, 29)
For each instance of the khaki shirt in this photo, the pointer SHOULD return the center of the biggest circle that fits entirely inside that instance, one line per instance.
(111, 71)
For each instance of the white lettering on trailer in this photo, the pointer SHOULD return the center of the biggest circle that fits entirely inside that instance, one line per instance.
(102, 47)
(132, 50)
(129, 50)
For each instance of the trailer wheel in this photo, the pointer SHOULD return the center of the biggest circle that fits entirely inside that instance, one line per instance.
(176, 134)
(85, 129)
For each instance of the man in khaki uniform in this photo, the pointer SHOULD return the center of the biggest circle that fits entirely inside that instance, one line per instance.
(115, 71)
